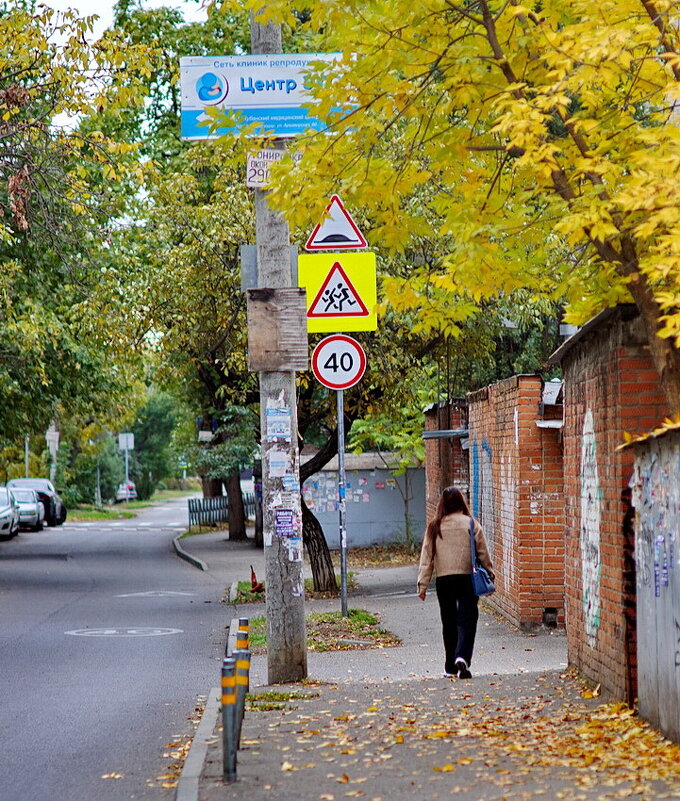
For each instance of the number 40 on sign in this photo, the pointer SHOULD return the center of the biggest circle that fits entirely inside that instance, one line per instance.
(338, 361)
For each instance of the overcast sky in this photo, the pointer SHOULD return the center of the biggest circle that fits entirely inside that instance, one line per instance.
(104, 9)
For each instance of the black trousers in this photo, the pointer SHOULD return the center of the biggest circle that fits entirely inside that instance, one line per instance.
(459, 614)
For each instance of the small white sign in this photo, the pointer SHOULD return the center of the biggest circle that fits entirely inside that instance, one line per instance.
(126, 441)
(258, 164)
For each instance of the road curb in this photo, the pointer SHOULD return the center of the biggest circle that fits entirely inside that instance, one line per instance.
(188, 784)
(195, 561)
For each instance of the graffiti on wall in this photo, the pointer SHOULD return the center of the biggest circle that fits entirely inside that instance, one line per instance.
(591, 495)
(475, 479)
(487, 516)
(656, 498)
(507, 522)
(482, 491)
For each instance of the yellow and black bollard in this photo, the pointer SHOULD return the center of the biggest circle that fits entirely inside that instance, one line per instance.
(229, 742)
(242, 634)
(242, 685)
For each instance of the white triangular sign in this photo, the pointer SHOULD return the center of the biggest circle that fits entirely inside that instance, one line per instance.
(337, 230)
(337, 297)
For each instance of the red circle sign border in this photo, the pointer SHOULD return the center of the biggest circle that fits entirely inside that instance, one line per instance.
(361, 353)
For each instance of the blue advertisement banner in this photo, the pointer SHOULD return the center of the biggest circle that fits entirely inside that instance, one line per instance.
(266, 90)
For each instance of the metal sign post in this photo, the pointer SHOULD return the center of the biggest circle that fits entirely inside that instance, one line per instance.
(341, 501)
(339, 362)
(126, 443)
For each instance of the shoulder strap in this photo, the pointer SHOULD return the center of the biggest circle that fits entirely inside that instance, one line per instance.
(473, 550)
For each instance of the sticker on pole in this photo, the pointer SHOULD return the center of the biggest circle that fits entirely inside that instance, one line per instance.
(338, 361)
(337, 230)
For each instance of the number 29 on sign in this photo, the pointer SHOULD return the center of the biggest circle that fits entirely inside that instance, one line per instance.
(338, 361)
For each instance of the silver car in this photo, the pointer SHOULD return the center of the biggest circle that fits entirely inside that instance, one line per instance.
(9, 514)
(31, 510)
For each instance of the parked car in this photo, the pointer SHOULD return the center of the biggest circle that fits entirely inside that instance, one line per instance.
(31, 510)
(55, 511)
(9, 514)
(127, 491)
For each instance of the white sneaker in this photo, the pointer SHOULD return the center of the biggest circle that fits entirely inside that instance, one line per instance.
(463, 669)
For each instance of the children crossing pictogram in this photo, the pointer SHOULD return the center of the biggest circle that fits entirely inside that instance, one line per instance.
(337, 297)
(341, 291)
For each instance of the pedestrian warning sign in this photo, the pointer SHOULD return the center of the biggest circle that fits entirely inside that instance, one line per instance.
(340, 290)
(337, 230)
(337, 297)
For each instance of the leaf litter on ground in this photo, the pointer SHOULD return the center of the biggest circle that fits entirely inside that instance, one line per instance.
(543, 741)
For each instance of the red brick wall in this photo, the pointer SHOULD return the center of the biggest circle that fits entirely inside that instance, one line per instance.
(610, 387)
(446, 463)
(516, 492)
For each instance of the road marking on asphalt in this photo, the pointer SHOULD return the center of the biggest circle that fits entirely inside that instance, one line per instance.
(135, 631)
(154, 594)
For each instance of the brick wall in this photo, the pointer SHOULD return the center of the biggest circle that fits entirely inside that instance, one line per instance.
(446, 463)
(516, 491)
(610, 387)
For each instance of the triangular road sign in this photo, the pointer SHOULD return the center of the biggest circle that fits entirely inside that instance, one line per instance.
(337, 297)
(337, 230)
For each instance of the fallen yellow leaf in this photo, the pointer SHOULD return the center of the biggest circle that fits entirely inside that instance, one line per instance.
(112, 776)
(448, 768)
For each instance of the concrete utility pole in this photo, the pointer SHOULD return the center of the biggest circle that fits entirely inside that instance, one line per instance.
(286, 641)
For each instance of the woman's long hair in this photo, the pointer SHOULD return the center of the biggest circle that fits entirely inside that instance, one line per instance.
(451, 500)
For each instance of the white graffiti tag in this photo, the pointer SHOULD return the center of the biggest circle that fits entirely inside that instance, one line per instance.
(590, 530)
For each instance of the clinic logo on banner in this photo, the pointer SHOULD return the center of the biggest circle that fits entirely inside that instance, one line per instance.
(212, 88)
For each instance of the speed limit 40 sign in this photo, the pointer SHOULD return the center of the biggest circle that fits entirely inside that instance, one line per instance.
(338, 361)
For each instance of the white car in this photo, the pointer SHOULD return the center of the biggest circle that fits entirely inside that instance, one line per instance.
(9, 514)
(31, 509)
(127, 491)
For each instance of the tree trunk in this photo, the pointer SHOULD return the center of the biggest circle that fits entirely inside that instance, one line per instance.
(313, 537)
(323, 573)
(212, 487)
(237, 516)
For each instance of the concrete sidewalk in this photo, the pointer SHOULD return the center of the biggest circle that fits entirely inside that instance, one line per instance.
(383, 723)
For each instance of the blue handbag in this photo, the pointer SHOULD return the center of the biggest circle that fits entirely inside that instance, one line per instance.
(481, 580)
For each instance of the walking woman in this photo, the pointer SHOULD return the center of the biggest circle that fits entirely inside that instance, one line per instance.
(446, 549)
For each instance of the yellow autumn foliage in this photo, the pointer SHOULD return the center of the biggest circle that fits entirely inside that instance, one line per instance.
(543, 137)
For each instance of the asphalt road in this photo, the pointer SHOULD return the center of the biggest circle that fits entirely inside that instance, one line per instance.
(107, 640)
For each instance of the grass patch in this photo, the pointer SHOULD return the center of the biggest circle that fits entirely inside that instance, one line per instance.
(123, 510)
(91, 512)
(329, 631)
(270, 701)
(393, 554)
(244, 595)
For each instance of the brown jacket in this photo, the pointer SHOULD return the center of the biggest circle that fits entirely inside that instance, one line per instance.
(453, 550)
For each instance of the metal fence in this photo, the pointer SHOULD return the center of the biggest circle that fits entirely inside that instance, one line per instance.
(212, 511)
